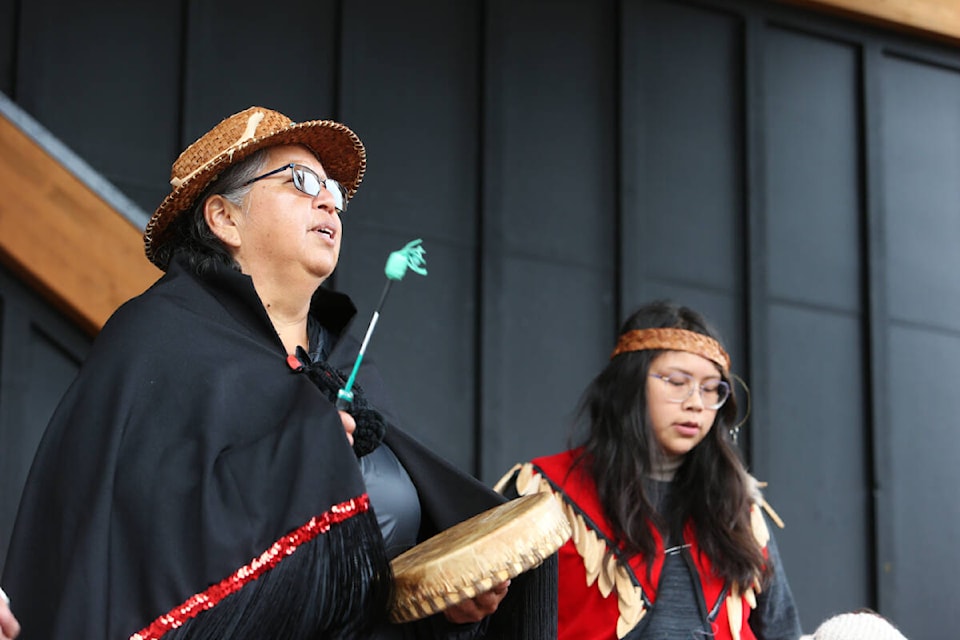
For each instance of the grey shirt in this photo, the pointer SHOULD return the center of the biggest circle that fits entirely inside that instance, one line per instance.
(679, 614)
(394, 498)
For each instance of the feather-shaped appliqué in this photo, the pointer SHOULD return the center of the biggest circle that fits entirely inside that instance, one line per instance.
(602, 565)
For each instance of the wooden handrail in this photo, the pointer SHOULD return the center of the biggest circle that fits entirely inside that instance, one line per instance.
(935, 19)
(62, 238)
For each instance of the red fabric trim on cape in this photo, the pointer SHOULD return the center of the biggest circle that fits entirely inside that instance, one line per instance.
(280, 549)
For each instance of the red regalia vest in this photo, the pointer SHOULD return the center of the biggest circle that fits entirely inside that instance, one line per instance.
(603, 594)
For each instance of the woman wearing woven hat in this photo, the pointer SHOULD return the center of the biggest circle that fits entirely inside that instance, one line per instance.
(196, 480)
(669, 540)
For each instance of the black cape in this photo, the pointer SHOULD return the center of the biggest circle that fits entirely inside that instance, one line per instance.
(188, 455)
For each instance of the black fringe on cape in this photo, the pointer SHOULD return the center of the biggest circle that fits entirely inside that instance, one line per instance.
(534, 613)
(337, 586)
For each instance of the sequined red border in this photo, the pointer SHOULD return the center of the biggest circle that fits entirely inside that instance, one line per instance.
(266, 561)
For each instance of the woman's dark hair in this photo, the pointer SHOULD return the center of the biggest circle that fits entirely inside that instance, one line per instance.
(620, 452)
(191, 237)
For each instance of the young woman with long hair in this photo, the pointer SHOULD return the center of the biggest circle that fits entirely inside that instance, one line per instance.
(670, 540)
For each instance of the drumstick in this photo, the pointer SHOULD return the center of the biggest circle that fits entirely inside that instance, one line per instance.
(411, 256)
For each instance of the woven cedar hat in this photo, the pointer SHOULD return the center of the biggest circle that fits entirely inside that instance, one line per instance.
(340, 151)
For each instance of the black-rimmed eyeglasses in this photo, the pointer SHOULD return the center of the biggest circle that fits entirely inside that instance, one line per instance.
(306, 180)
(681, 386)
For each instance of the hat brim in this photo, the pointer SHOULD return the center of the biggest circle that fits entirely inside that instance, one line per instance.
(339, 149)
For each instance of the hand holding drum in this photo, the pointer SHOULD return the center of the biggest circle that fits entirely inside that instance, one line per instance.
(474, 556)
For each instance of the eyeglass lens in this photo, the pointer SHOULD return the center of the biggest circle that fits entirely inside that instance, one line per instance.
(681, 386)
(310, 183)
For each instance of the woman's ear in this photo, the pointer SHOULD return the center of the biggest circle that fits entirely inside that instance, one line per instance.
(221, 216)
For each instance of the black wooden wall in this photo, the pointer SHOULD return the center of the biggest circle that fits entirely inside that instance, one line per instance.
(793, 176)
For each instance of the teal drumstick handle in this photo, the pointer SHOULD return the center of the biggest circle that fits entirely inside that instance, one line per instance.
(345, 395)
(411, 256)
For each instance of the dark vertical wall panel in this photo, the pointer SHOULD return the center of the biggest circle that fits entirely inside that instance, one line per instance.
(682, 150)
(102, 76)
(239, 55)
(813, 173)
(811, 437)
(415, 107)
(9, 31)
(921, 129)
(921, 137)
(926, 512)
(40, 354)
(815, 457)
(547, 227)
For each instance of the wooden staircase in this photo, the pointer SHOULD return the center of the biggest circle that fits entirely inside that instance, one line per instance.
(64, 235)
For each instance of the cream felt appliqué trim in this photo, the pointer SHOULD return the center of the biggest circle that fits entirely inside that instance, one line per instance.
(761, 533)
(759, 526)
(735, 611)
(601, 564)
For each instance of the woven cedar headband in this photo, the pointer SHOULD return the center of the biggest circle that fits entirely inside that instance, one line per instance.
(673, 340)
(339, 149)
